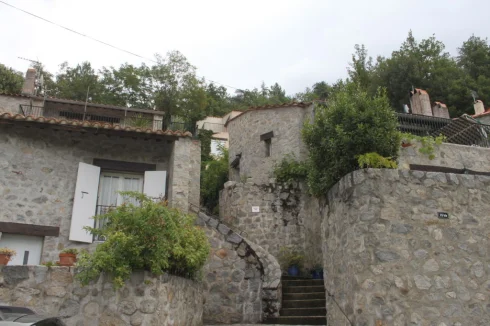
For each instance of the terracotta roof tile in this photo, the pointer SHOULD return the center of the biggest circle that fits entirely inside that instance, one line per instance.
(90, 124)
(487, 112)
(274, 106)
(441, 104)
(418, 90)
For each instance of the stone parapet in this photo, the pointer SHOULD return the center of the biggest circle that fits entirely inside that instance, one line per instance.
(390, 258)
(144, 300)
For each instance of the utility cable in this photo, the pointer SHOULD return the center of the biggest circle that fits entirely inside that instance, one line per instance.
(102, 42)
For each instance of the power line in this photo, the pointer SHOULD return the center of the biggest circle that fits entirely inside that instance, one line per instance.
(99, 41)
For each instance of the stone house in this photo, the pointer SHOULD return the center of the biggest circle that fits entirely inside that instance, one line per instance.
(218, 126)
(56, 172)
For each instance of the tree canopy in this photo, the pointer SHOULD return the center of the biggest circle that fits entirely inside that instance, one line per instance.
(171, 84)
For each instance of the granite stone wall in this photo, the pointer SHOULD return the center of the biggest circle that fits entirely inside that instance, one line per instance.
(144, 300)
(245, 131)
(241, 280)
(390, 260)
(38, 172)
(287, 217)
(447, 155)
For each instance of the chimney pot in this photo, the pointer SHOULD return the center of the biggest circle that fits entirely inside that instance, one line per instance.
(479, 107)
(440, 110)
(29, 86)
(420, 102)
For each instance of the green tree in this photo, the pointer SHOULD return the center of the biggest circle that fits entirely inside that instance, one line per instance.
(74, 82)
(361, 68)
(352, 124)
(214, 174)
(10, 80)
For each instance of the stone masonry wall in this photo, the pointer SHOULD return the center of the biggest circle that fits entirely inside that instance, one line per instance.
(38, 172)
(144, 300)
(288, 217)
(448, 155)
(241, 281)
(11, 103)
(389, 259)
(245, 130)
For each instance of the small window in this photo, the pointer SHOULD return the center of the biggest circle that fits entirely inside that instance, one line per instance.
(268, 145)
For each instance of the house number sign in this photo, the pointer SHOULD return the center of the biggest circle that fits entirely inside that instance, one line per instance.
(255, 209)
(442, 215)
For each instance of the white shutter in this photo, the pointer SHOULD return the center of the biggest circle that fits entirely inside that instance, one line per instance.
(154, 185)
(85, 201)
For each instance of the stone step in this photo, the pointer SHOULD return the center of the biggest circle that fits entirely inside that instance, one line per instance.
(298, 320)
(317, 303)
(286, 277)
(302, 282)
(303, 289)
(303, 296)
(303, 312)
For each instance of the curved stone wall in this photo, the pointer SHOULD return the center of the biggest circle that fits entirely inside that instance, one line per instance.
(241, 280)
(144, 300)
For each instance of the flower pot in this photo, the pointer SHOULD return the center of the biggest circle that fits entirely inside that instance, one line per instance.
(317, 274)
(67, 259)
(293, 270)
(4, 259)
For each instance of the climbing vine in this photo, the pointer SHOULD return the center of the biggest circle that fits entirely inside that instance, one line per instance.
(290, 170)
(428, 143)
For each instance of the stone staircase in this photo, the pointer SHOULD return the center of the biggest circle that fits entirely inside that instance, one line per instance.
(303, 302)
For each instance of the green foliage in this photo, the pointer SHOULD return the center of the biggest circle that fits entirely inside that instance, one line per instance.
(375, 161)
(149, 237)
(8, 252)
(290, 170)
(139, 121)
(214, 174)
(48, 264)
(428, 143)
(205, 137)
(353, 124)
(288, 257)
(72, 251)
(10, 80)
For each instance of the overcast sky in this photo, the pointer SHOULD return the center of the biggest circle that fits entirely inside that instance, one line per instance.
(238, 43)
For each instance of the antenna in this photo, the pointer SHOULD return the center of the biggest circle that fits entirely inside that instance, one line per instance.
(33, 61)
(474, 95)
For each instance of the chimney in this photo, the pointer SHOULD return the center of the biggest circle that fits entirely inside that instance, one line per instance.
(420, 102)
(479, 107)
(29, 86)
(440, 110)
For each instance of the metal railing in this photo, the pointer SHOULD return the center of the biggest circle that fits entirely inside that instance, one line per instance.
(420, 125)
(462, 131)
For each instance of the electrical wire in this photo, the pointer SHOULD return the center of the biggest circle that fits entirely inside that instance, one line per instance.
(100, 41)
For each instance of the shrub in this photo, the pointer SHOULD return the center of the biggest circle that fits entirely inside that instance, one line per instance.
(428, 143)
(149, 237)
(353, 124)
(288, 257)
(214, 174)
(8, 252)
(290, 170)
(72, 251)
(375, 161)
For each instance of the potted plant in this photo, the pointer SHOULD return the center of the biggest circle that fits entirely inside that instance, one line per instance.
(291, 260)
(68, 257)
(317, 272)
(5, 255)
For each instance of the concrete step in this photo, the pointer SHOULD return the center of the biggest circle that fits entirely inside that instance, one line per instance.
(303, 289)
(303, 296)
(302, 282)
(298, 320)
(317, 303)
(303, 312)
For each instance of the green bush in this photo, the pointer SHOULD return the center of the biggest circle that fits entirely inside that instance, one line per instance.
(149, 237)
(375, 161)
(214, 174)
(288, 257)
(353, 124)
(290, 170)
